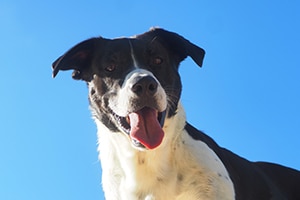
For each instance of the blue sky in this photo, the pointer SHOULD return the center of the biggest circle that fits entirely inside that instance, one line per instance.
(246, 96)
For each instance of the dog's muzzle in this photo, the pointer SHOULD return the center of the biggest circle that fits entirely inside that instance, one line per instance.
(146, 114)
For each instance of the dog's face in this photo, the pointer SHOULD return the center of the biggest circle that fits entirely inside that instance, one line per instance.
(133, 82)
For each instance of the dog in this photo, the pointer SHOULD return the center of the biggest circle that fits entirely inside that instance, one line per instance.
(147, 149)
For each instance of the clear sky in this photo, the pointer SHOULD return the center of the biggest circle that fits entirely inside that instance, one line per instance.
(246, 96)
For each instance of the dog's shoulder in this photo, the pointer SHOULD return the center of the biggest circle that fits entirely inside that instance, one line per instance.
(268, 179)
(201, 165)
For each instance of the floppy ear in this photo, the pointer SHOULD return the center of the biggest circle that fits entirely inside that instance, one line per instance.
(78, 58)
(177, 44)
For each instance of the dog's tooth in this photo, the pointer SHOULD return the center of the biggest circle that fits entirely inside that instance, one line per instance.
(128, 119)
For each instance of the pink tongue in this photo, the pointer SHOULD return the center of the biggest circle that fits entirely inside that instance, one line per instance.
(145, 128)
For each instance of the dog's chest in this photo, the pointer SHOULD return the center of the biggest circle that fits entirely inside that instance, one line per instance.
(182, 169)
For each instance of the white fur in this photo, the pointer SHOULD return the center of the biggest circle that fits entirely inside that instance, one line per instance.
(120, 106)
(181, 168)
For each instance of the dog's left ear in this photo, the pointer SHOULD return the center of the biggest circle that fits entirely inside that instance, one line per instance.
(177, 44)
(78, 58)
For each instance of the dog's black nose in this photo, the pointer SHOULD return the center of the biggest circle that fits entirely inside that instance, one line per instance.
(145, 86)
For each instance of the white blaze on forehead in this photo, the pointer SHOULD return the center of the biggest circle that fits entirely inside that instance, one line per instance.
(137, 71)
(135, 65)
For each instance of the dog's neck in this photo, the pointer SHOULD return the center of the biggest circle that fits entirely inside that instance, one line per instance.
(117, 148)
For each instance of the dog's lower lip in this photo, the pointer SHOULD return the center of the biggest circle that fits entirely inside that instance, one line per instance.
(137, 143)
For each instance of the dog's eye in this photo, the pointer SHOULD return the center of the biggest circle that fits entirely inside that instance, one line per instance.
(157, 60)
(110, 68)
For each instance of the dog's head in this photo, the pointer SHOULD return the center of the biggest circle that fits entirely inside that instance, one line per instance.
(133, 82)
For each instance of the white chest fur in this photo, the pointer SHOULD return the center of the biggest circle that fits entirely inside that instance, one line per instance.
(180, 168)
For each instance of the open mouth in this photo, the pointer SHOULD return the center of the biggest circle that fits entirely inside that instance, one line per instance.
(144, 127)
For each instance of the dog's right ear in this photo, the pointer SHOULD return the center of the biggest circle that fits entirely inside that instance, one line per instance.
(177, 44)
(78, 58)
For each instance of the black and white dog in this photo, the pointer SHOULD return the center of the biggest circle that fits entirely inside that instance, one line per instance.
(147, 149)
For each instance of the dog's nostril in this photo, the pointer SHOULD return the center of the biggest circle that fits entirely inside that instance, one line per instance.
(152, 87)
(145, 86)
(137, 88)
